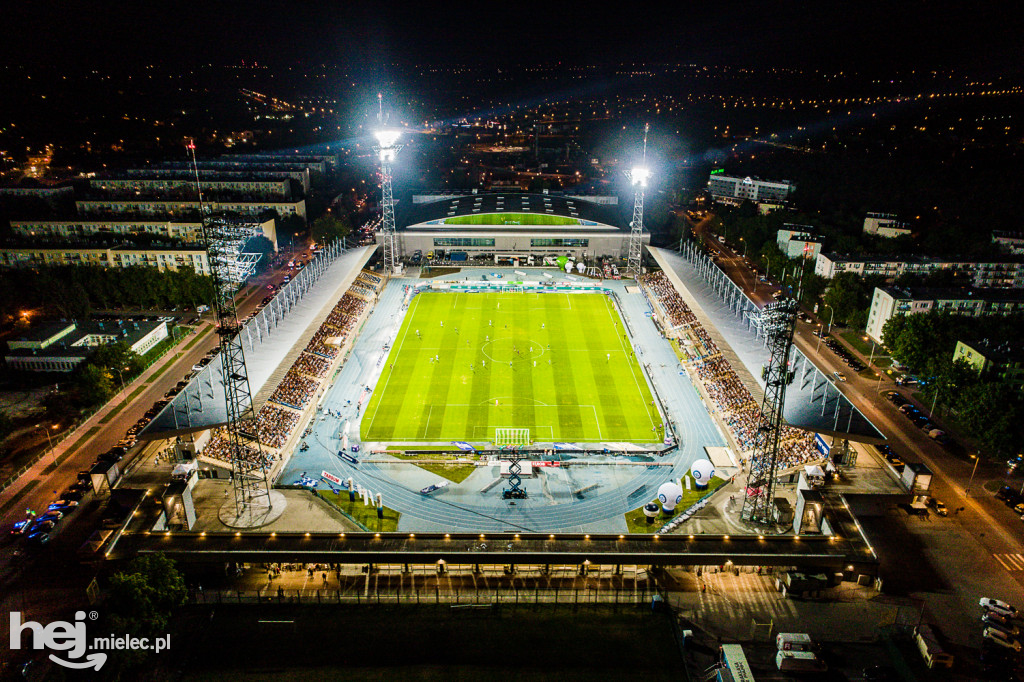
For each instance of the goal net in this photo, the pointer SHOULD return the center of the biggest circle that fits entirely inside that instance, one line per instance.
(503, 437)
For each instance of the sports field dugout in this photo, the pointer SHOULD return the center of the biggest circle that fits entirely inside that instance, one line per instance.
(514, 225)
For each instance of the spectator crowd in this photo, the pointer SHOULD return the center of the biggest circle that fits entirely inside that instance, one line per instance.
(733, 401)
(273, 424)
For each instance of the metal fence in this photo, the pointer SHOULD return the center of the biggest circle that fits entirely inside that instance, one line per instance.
(473, 598)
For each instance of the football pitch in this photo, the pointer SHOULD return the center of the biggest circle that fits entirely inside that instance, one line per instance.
(465, 364)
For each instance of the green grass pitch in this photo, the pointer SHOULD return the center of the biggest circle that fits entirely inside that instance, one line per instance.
(556, 364)
(511, 219)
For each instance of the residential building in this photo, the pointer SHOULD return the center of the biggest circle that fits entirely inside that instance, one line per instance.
(798, 241)
(734, 190)
(77, 228)
(885, 225)
(163, 258)
(297, 172)
(890, 301)
(1007, 273)
(187, 208)
(184, 185)
(61, 346)
(1009, 242)
(1003, 361)
(80, 227)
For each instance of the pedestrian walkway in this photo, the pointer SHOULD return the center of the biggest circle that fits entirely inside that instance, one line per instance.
(1011, 562)
(744, 605)
(92, 427)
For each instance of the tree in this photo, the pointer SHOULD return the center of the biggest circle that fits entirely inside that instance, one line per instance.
(142, 599)
(846, 295)
(328, 228)
(93, 384)
(990, 413)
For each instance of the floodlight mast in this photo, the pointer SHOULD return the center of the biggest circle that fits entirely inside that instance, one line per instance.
(223, 241)
(638, 177)
(776, 321)
(387, 150)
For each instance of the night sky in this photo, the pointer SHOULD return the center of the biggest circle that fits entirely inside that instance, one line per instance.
(982, 38)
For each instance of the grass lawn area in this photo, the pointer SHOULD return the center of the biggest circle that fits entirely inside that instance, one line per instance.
(636, 521)
(196, 339)
(856, 340)
(161, 370)
(464, 364)
(456, 473)
(121, 405)
(428, 271)
(85, 436)
(883, 362)
(362, 514)
(510, 219)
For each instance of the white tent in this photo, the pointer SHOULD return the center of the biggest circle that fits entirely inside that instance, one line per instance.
(814, 471)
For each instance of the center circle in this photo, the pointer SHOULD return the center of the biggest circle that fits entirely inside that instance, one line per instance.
(511, 349)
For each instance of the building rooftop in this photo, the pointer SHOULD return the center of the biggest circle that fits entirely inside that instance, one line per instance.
(123, 330)
(953, 293)
(998, 351)
(459, 212)
(42, 331)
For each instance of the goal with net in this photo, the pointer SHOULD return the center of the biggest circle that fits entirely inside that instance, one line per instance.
(505, 436)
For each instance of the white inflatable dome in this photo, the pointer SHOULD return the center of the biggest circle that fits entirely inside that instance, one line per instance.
(702, 470)
(670, 494)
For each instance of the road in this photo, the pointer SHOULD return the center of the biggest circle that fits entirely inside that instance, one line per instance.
(993, 525)
(43, 482)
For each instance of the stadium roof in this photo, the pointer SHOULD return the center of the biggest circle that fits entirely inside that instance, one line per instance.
(201, 405)
(580, 213)
(813, 402)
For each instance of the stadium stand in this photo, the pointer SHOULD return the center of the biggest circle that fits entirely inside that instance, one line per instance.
(733, 402)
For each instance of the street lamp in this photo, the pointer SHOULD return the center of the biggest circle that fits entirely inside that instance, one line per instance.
(49, 441)
(967, 490)
(831, 317)
(768, 272)
(871, 359)
(744, 248)
(121, 377)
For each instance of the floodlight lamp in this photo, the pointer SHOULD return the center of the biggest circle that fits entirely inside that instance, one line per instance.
(387, 138)
(639, 176)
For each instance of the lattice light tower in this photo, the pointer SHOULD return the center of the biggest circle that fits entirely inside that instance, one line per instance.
(387, 150)
(638, 178)
(776, 322)
(230, 266)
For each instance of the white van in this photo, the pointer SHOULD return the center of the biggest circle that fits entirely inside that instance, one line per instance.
(794, 641)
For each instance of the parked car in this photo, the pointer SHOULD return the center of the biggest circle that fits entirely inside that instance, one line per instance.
(839, 376)
(39, 537)
(1000, 607)
(940, 507)
(1004, 492)
(999, 638)
(993, 617)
